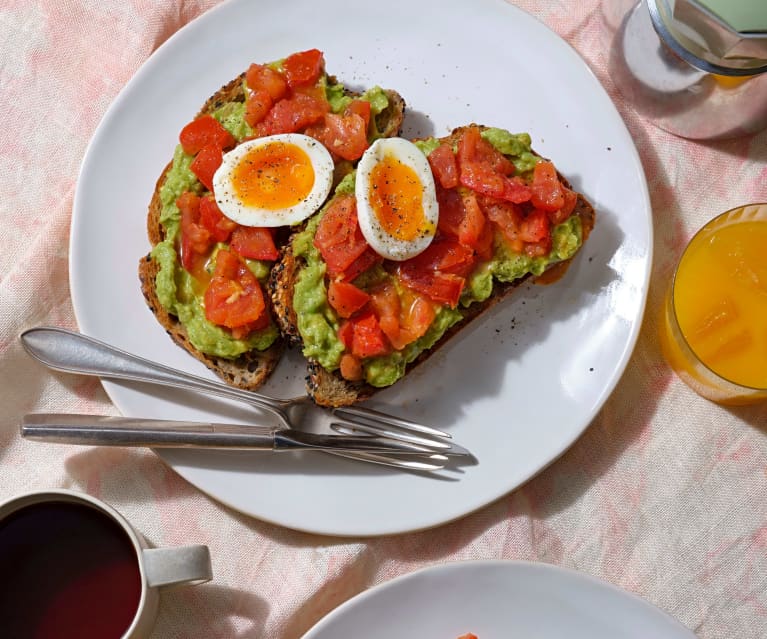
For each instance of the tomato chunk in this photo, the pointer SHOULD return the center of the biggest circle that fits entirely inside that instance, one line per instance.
(351, 367)
(234, 298)
(445, 255)
(346, 298)
(547, 191)
(460, 216)
(260, 77)
(292, 115)
(367, 260)
(368, 340)
(360, 108)
(257, 105)
(570, 200)
(303, 68)
(195, 239)
(338, 237)
(254, 242)
(443, 288)
(484, 169)
(481, 178)
(444, 166)
(218, 225)
(507, 218)
(343, 135)
(202, 132)
(473, 148)
(205, 164)
(403, 317)
(535, 227)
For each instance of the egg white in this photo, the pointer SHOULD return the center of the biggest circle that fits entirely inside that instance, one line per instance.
(379, 239)
(248, 215)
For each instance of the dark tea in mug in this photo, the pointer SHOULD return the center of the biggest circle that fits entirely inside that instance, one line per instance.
(71, 573)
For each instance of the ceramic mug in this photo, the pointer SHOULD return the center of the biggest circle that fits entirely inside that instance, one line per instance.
(73, 566)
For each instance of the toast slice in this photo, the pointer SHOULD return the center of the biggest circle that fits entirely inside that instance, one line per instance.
(326, 385)
(246, 367)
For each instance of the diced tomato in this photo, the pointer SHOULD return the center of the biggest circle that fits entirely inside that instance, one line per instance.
(346, 298)
(440, 271)
(484, 246)
(234, 298)
(444, 166)
(202, 132)
(218, 225)
(460, 216)
(473, 222)
(507, 218)
(416, 317)
(260, 77)
(384, 300)
(472, 147)
(515, 190)
(343, 135)
(303, 68)
(346, 333)
(481, 178)
(547, 191)
(450, 211)
(484, 169)
(538, 249)
(205, 164)
(254, 242)
(195, 239)
(443, 288)
(403, 317)
(385, 304)
(360, 108)
(257, 105)
(571, 199)
(368, 340)
(535, 227)
(366, 261)
(292, 115)
(227, 265)
(445, 255)
(338, 235)
(351, 367)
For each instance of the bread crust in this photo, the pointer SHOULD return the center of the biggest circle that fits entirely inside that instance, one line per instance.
(328, 388)
(251, 369)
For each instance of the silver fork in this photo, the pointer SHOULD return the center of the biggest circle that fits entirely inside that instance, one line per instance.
(68, 351)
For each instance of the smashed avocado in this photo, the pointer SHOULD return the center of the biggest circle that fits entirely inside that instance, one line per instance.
(318, 323)
(175, 288)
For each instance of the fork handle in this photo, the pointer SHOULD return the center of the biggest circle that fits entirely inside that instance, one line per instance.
(72, 352)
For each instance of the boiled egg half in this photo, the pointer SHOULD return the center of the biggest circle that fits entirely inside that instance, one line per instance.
(396, 199)
(277, 180)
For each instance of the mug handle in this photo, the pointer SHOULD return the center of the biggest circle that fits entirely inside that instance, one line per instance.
(177, 566)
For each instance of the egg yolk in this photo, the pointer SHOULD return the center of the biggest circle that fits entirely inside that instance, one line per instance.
(396, 196)
(273, 176)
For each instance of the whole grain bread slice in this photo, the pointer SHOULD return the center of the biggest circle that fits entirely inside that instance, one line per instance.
(251, 369)
(328, 388)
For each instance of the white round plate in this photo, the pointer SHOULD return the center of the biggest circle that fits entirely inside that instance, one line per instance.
(497, 600)
(519, 386)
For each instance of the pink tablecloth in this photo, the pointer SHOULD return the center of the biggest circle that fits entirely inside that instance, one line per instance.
(665, 495)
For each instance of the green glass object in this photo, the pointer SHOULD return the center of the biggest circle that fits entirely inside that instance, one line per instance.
(745, 16)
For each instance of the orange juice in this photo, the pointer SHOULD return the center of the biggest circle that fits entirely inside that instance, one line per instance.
(715, 324)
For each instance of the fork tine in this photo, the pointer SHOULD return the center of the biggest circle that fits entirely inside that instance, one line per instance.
(352, 428)
(435, 462)
(375, 418)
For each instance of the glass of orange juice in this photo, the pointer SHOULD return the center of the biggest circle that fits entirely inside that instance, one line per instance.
(714, 323)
